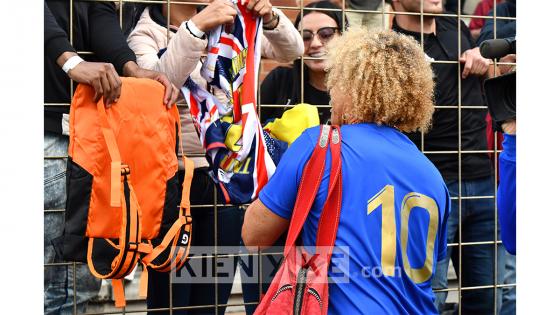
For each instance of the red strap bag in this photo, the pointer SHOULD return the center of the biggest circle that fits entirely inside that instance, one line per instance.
(301, 284)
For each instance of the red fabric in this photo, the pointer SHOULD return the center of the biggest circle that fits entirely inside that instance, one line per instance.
(482, 9)
(490, 140)
(280, 297)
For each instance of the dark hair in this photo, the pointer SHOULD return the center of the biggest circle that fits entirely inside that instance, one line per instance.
(325, 4)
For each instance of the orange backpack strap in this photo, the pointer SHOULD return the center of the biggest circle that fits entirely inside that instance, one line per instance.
(118, 292)
(113, 153)
(176, 242)
(129, 246)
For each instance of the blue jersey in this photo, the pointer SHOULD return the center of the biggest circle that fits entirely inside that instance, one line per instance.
(507, 206)
(392, 225)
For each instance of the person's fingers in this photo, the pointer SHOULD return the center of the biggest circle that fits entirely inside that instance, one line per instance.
(115, 87)
(96, 83)
(231, 11)
(264, 11)
(259, 6)
(168, 89)
(467, 68)
(251, 4)
(174, 96)
(116, 81)
(106, 90)
(229, 20)
(482, 67)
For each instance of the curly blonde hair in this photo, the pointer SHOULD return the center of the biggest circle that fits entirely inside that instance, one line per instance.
(387, 76)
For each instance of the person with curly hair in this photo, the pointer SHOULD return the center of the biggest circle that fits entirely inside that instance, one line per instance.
(394, 201)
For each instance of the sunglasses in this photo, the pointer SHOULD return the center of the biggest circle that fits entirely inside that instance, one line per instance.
(325, 34)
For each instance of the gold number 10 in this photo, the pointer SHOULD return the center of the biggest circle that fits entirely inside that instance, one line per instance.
(386, 198)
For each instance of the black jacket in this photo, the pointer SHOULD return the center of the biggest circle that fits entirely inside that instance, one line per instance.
(444, 134)
(282, 86)
(504, 28)
(95, 28)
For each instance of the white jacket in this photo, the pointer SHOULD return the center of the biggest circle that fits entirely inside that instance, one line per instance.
(183, 58)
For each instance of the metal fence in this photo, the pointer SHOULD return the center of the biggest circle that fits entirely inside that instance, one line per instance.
(291, 8)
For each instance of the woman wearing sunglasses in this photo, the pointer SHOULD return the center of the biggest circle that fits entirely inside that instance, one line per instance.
(179, 53)
(282, 86)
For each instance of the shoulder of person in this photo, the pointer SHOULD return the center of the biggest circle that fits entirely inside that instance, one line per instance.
(448, 22)
(147, 23)
(280, 74)
(146, 26)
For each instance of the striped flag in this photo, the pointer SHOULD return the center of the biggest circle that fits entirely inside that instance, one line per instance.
(231, 133)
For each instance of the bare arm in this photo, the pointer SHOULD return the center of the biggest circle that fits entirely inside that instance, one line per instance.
(261, 227)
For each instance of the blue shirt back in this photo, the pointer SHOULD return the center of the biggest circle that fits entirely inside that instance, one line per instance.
(386, 182)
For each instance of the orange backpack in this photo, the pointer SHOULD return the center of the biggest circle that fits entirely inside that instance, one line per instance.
(122, 185)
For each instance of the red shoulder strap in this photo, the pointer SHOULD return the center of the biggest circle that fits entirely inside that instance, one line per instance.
(330, 216)
(308, 187)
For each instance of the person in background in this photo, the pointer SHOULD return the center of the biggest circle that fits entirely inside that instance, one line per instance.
(506, 197)
(375, 97)
(178, 53)
(282, 86)
(473, 170)
(452, 6)
(95, 28)
(482, 9)
(369, 20)
(504, 28)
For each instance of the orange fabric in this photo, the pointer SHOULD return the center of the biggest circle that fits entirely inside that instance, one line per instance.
(134, 140)
(189, 170)
(143, 286)
(171, 234)
(133, 232)
(142, 127)
(133, 236)
(114, 154)
(118, 293)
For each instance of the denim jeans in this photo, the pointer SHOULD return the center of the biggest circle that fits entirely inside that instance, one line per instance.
(508, 296)
(477, 261)
(59, 287)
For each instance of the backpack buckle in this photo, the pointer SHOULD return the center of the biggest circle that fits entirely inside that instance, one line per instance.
(125, 170)
(140, 247)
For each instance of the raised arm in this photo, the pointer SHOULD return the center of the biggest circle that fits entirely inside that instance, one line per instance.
(178, 60)
(284, 42)
(281, 41)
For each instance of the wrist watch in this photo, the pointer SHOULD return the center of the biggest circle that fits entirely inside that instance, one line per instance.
(273, 23)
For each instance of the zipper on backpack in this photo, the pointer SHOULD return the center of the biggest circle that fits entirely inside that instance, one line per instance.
(300, 289)
(316, 295)
(282, 289)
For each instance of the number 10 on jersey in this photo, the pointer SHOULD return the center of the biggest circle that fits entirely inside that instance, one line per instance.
(386, 199)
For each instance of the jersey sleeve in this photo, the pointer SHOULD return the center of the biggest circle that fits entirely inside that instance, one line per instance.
(442, 234)
(506, 194)
(279, 194)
